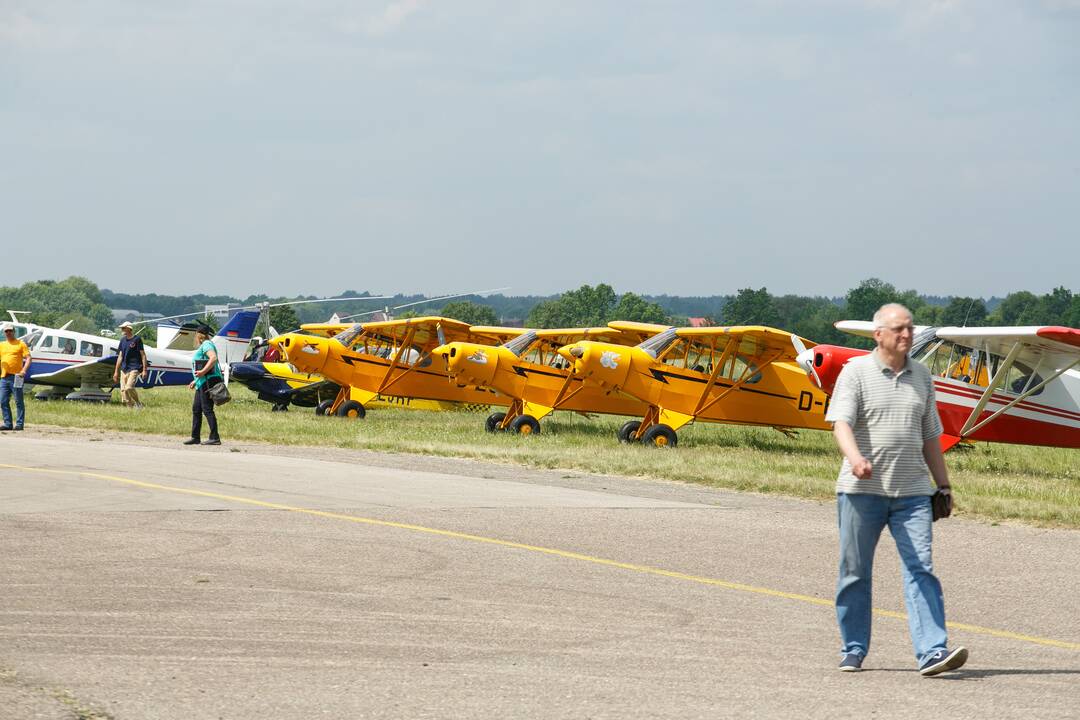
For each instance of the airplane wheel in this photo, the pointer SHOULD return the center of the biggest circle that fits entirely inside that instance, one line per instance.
(660, 436)
(279, 407)
(351, 409)
(492, 422)
(525, 425)
(626, 432)
(324, 407)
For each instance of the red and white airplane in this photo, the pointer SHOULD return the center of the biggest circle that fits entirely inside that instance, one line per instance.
(1014, 385)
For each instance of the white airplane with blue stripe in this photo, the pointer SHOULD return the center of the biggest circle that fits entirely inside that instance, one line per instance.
(78, 366)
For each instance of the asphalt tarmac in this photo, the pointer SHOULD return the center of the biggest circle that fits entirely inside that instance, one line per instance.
(140, 579)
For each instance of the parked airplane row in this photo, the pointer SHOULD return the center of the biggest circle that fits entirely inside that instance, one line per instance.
(1013, 385)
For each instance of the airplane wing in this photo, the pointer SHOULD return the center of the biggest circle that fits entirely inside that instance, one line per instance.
(1054, 346)
(754, 340)
(314, 393)
(498, 335)
(325, 329)
(864, 328)
(639, 330)
(605, 334)
(97, 373)
(428, 332)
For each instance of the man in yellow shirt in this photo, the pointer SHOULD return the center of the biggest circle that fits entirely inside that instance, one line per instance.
(14, 362)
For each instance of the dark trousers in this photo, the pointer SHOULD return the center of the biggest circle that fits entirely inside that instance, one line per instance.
(203, 405)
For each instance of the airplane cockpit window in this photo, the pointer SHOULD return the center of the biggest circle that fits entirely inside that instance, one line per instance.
(90, 349)
(31, 339)
(657, 344)
(977, 367)
(349, 337)
(521, 343)
(46, 343)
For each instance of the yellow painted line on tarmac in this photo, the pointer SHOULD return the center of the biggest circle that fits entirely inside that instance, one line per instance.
(644, 569)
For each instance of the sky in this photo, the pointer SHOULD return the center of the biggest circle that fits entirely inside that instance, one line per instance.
(687, 148)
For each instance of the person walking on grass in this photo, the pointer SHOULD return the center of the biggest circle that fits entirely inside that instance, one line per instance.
(14, 363)
(886, 423)
(207, 373)
(130, 365)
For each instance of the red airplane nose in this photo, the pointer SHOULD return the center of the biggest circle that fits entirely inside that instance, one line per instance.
(829, 360)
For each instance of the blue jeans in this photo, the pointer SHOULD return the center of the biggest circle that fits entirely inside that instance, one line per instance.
(910, 521)
(7, 388)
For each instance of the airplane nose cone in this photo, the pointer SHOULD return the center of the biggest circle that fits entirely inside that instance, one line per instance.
(570, 353)
(246, 370)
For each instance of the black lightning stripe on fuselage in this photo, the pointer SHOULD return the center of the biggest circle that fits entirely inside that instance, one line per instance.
(662, 377)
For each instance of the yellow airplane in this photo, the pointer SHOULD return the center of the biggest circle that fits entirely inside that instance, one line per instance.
(529, 370)
(390, 359)
(281, 385)
(743, 375)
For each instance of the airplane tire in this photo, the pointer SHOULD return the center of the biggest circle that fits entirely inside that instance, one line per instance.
(626, 432)
(324, 407)
(351, 409)
(492, 422)
(279, 407)
(525, 425)
(660, 436)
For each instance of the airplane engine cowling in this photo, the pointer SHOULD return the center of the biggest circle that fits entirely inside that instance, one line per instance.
(829, 360)
(470, 364)
(604, 364)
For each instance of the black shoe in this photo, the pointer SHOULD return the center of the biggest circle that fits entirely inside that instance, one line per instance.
(18, 428)
(212, 441)
(193, 441)
(5, 428)
(943, 661)
(851, 662)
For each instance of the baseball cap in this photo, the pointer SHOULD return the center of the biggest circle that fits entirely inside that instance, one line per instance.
(6, 326)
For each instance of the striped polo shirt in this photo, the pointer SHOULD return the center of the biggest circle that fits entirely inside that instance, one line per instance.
(891, 414)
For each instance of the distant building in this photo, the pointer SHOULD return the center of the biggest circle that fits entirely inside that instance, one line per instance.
(700, 322)
(124, 315)
(222, 312)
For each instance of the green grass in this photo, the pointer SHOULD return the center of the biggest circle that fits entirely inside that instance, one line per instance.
(1039, 486)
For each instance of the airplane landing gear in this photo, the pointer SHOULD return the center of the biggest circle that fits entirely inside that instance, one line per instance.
(626, 432)
(324, 407)
(660, 436)
(525, 425)
(351, 409)
(493, 422)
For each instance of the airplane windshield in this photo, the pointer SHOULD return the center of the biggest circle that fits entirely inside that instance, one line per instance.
(658, 343)
(921, 340)
(32, 338)
(348, 337)
(521, 343)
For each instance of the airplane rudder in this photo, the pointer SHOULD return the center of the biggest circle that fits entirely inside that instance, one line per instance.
(242, 323)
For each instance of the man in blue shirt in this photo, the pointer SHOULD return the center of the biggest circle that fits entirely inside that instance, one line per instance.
(130, 365)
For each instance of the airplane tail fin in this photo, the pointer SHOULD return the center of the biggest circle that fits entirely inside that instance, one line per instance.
(234, 336)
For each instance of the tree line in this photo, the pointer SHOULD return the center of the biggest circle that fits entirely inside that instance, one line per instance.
(53, 302)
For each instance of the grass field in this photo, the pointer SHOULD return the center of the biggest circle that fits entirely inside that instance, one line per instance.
(1039, 486)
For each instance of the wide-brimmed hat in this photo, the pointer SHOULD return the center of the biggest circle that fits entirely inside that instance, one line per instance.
(126, 324)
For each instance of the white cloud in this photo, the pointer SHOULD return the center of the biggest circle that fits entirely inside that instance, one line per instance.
(391, 17)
